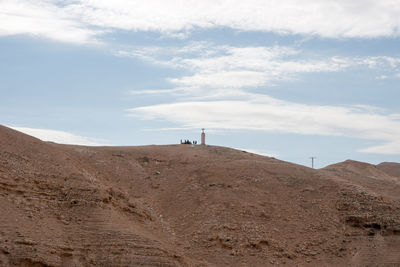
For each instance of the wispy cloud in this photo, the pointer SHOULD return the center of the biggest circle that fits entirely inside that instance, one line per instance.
(218, 68)
(382, 77)
(221, 67)
(216, 93)
(390, 148)
(259, 152)
(45, 19)
(330, 18)
(155, 92)
(263, 113)
(60, 136)
(82, 21)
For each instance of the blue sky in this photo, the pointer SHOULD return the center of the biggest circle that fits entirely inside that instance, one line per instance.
(290, 79)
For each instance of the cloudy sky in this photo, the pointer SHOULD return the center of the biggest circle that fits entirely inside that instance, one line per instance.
(286, 78)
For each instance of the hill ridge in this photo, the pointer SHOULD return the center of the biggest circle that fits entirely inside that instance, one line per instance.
(178, 205)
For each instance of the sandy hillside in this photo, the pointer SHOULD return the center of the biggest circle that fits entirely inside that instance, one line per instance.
(183, 205)
(392, 168)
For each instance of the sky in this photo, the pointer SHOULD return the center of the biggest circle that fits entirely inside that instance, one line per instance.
(291, 79)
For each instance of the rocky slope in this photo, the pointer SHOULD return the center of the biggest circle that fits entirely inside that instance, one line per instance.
(183, 205)
(392, 168)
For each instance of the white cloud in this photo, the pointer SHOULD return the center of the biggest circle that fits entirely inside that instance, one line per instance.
(217, 68)
(330, 18)
(379, 61)
(382, 77)
(221, 67)
(74, 20)
(221, 77)
(43, 19)
(60, 136)
(259, 152)
(154, 92)
(390, 148)
(263, 113)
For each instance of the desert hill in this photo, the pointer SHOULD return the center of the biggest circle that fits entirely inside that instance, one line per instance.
(183, 205)
(382, 171)
(392, 168)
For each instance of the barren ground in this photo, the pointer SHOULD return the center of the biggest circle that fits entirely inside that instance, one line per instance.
(183, 205)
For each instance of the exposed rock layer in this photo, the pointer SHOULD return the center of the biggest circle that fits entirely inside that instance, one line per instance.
(183, 205)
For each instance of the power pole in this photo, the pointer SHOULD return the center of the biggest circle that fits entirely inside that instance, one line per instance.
(312, 161)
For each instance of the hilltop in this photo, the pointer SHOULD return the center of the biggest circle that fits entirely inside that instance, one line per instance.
(183, 205)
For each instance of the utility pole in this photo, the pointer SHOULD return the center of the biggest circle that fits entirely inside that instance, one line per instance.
(312, 161)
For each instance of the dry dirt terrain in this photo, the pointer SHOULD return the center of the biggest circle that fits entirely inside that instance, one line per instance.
(183, 205)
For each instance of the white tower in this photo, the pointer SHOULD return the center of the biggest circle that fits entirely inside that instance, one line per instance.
(203, 137)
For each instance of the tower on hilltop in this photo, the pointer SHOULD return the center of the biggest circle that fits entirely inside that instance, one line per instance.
(203, 137)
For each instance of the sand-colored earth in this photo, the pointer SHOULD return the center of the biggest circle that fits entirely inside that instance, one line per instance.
(183, 205)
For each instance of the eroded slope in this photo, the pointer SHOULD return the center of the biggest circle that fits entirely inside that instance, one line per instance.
(191, 206)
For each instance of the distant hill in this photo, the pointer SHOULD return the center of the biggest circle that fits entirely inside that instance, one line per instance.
(392, 168)
(183, 205)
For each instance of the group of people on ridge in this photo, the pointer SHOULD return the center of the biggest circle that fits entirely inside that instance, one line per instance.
(187, 142)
